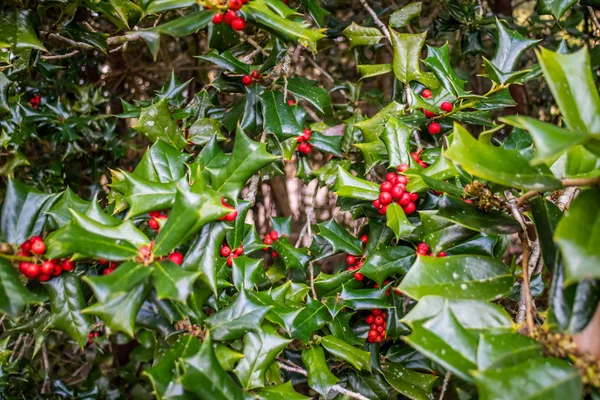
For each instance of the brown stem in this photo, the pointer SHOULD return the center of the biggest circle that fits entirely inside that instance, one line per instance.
(581, 181)
(526, 283)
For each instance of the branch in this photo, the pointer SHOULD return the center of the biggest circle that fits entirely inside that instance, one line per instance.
(377, 21)
(581, 181)
(291, 367)
(445, 384)
(61, 56)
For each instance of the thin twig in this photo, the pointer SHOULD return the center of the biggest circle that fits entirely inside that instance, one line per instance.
(525, 198)
(377, 21)
(564, 200)
(61, 56)
(445, 384)
(581, 181)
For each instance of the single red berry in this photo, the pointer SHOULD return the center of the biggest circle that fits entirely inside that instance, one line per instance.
(247, 80)
(231, 216)
(379, 320)
(364, 239)
(229, 17)
(446, 106)
(390, 177)
(373, 334)
(370, 319)
(256, 75)
(377, 204)
(36, 239)
(409, 208)
(307, 134)
(426, 93)
(350, 259)
(414, 197)
(47, 268)
(383, 210)
(32, 270)
(153, 223)
(176, 257)
(268, 241)
(423, 245)
(108, 271)
(401, 180)
(230, 261)
(398, 292)
(57, 270)
(235, 4)
(429, 114)
(373, 327)
(397, 191)
(434, 128)
(385, 198)
(239, 251)
(274, 235)
(376, 312)
(238, 24)
(383, 316)
(38, 247)
(67, 265)
(102, 262)
(274, 254)
(402, 167)
(415, 156)
(44, 278)
(442, 254)
(380, 329)
(26, 246)
(218, 18)
(386, 186)
(423, 164)
(225, 251)
(358, 276)
(421, 252)
(404, 199)
(291, 102)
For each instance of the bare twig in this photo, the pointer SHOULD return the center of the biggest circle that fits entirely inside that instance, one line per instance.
(377, 21)
(567, 183)
(525, 198)
(46, 384)
(564, 200)
(55, 37)
(61, 56)
(445, 384)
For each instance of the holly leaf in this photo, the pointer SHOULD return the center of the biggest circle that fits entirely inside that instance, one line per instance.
(457, 277)
(125, 277)
(167, 161)
(246, 159)
(310, 319)
(144, 196)
(279, 118)
(292, 257)
(372, 70)
(364, 299)
(555, 7)
(173, 282)
(59, 212)
(499, 350)
(308, 90)
(155, 122)
(339, 238)
(407, 54)
(396, 137)
(242, 315)
(248, 273)
(359, 359)
(260, 351)
(18, 32)
(284, 391)
(438, 62)
(14, 296)
(387, 262)
(511, 45)
(67, 303)
(320, 377)
(348, 185)
(402, 17)
(412, 384)
(397, 221)
(358, 35)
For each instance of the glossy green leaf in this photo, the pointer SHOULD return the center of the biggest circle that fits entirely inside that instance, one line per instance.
(205, 377)
(387, 262)
(320, 377)
(407, 53)
(348, 185)
(396, 137)
(511, 45)
(555, 7)
(359, 359)
(397, 221)
(260, 350)
(506, 167)
(124, 278)
(248, 273)
(279, 118)
(292, 257)
(18, 31)
(312, 317)
(362, 36)
(204, 253)
(499, 350)
(576, 236)
(363, 299)
(441, 169)
(441, 234)
(308, 90)
(156, 123)
(411, 384)
(156, 6)
(186, 25)
(173, 282)
(67, 303)
(242, 315)
(537, 378)
(144, 196)
(59, 212)
(372, 70)
(457, 277)
(227, 357)
(405, 15)
(13, 295)
(373, 127)
(438, 61)
(339, 238)
(284, 391)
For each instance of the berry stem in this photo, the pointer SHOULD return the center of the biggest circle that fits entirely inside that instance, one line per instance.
(17, 258)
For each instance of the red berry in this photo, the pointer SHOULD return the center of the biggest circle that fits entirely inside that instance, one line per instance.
(102, 262)
(26, 246)
(229, 17)
(107, 271)
(383, 210)
(217, 18)
(370, 319)
(247, 80)
(274, 254)
(235, 4)
(401, 180)
(350, 259)
(307, 134)
(377, 204)
(426, 93)
(364, 239)
(442, 254)
(47, 268)
(231, 216)
(404, 199)
(67, 265)
(434, 128)
(32, 270)
(373, 327)
(358, 276)
(390, 177)
(379, 320)
(423, 246)
(57, 270)
(386, 186)
(429, 114)
(414, 197)
(398, 292)
(176, 257)
(36, 239)
(376, 312)
(153, 223)
(44, 278)
(373, 334)
(446, 106)
(274, 235)
(38, 247)
(415, 156)
(397, 191)
(380, 329)
(225, 251)
(291, 102)
(402, 167)
(385, 198)
(238, 24)
(469, 201)
(268, 241)
(230, 261)
(409, 208)
(239, 251)
(256, 75)
(421, 252)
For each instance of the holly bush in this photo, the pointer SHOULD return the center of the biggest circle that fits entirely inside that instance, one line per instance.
(142, 255)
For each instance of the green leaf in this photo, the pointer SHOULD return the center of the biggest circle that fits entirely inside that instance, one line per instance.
(18, 31)
(260, 351)
(242, 315)
(555, 7)
(144, 196)
(441, 234)
(396, 137)
(124, 278)
(247, 158)
(407, 53)
(414, 385)
(280, 392)
(372, 70)
(441, 169)
(457, 277)
(363, 299)
(67, 303)
(227, 357)
(509, 167)
(405, 15)
(362, 36)
(203, 130)
(326, 283)
(511, 45)
(546, 216)
(205, 377)
(248, 273)
(499, 350)
(538, 378)
(397, 221)
(320, 377)
(574, 92)
(59, 212)
(308, 90)
(576, 236)
(311, 318)
(186, 25)
(446, 342)
(291, 256)
(155, 122)
(438, 61)
(226, 61)
(373, 127)
(23, 212)
(387, 262)
(194, 207)
(339, 238)
(471, 314)
(157, 6)
(279, 118)
(329, 144)
(348, 185)
(126, 11)
(204, 253)
(173, 282)
(13, 295)
(359, 359)
(471, 217)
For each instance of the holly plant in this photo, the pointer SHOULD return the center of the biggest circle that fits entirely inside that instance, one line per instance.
(460, 256)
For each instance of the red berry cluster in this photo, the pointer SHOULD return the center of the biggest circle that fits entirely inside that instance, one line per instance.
(303, 145)
(394, 189)
(48, 268)
(93, 335)
(111, 266)
(269, 239)
(423, 250)
(231, 254)
(231, 16)
(355, 263)
(377, 324)
(417, 157)
(434, 128)
(154, 217)
(35, 101)
(254, 76)
(232, 215)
